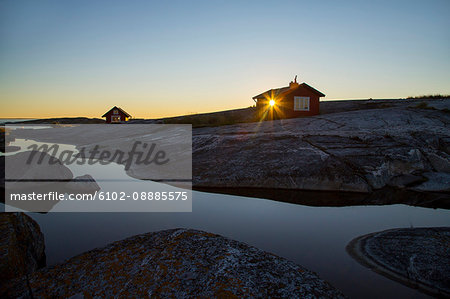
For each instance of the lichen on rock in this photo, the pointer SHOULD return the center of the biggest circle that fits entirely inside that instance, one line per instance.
(175, 263)
(22, 247)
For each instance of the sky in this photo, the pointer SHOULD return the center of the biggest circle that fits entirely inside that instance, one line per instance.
(166, 58)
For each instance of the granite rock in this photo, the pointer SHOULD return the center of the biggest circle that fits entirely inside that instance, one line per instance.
(176, 263)
(417, 257)
(358, 151)
(22, 247)
(355, 151)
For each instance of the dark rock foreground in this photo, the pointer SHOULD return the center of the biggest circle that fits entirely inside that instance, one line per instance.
(417, 257)
(174, 263)
(22, 246)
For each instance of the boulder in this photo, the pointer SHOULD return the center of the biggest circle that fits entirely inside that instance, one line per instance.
(176, 263)
(22, 247)
(39, 177)
(417, 257)
(35, 165)
(82, 184)
(27, 174)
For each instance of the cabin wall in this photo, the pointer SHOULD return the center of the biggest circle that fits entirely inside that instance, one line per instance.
(123, 117)
(314, 103)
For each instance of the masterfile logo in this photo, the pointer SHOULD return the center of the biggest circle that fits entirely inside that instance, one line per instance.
(99, 168)
(140, 153)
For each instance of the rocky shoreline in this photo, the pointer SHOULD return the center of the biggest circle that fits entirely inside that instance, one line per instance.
(178, 263)
(416, 257)
(384, 196)
(401, 149)
(22, 246)
(28, 175)
(364, 151)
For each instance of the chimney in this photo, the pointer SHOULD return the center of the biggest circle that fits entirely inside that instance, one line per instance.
(293, 84)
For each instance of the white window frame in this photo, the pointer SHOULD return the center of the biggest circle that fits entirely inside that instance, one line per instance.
(115, 111)
(301, 103)
(115, 119)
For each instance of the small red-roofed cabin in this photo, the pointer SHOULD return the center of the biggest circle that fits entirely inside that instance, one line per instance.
(116, 115)
(294, 100)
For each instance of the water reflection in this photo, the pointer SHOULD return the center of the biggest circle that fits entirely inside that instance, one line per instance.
(314, 237)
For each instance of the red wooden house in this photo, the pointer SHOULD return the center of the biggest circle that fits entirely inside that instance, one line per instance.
(291, 101)
(116, 115)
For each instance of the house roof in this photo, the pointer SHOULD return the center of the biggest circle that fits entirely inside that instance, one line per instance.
(118, 108)
(271, 93)
(285, 90)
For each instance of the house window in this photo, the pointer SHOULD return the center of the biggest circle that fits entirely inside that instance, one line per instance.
(301, 103)
(115, 111)
(115, 119)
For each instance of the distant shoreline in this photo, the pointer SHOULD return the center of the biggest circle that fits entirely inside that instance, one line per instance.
(246, 115)
(61, 120)
(327, 106)
(18, 119)
(381, 150)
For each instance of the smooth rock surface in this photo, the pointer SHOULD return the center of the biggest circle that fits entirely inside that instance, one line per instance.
(349, 151)
(26, 173)
(417, 257)
(355, 151)
(25, 176)
(83, 184)
(175, 263)
(35, 165)
(22, 246)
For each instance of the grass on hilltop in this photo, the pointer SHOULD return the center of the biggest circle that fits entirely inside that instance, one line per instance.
(429, 97)
(215, 119)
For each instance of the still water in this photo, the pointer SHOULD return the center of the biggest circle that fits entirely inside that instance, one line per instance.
(314, 237)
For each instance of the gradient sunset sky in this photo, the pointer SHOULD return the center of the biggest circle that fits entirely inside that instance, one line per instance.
(165, 58)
